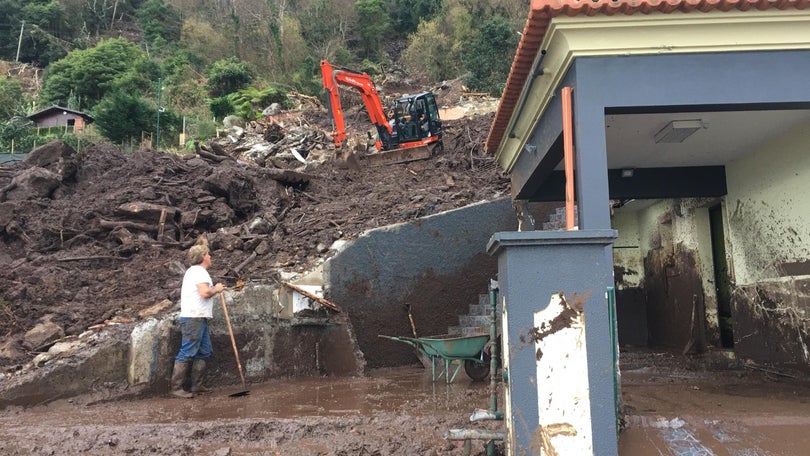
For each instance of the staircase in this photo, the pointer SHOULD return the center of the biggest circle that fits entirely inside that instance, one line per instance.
(476, 321)
(556, 221)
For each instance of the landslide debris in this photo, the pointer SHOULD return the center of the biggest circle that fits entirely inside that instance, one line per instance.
(98, 236)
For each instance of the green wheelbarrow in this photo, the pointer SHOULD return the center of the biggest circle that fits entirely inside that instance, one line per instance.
(467, 351)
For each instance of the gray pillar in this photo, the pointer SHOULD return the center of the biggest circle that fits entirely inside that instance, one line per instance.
(532, 266)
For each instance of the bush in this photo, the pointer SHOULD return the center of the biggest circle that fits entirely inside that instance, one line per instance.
(227, 76)
(221, 107)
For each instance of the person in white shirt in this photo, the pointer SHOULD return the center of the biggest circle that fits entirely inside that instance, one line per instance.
(196, 309)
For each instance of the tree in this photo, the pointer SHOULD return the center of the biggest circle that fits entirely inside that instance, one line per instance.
(12, 100)
(488, 57)
(373, 26)
(227, 76)
(407, 14)
(90, 74)
(430, 54)
(121, 116)
(160, 22)
(46, 34)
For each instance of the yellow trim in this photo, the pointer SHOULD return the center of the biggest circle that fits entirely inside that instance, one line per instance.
(570, 37)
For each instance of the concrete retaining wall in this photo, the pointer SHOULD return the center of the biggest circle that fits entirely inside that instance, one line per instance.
(438, 265)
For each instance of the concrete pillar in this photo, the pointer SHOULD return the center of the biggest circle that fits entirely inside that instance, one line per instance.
(532, 267)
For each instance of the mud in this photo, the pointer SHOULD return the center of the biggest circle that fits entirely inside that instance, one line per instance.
(673, 404)
(395, 411)
(93, 251)
(710, 406)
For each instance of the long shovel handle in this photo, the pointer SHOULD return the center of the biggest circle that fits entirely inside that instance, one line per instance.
(233, 341)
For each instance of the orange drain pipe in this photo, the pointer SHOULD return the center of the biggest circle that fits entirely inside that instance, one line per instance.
(568, 155)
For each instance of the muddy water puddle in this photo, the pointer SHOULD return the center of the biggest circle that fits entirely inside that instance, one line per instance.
(389, 389)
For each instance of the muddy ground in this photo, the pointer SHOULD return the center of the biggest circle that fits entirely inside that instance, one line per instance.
(390, 412)
(674, 405)
(82, 240)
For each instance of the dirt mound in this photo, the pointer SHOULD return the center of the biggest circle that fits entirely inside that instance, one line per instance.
(99, 235)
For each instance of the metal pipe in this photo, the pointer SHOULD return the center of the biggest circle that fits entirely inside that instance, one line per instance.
(473, 434)
(568, 151)
(494, 350)
(493, 359)
(611, 295)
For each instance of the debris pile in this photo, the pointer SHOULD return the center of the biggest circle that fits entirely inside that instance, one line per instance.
(99, 235)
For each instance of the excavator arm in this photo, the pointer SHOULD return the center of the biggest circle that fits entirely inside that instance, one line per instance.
(332, 78)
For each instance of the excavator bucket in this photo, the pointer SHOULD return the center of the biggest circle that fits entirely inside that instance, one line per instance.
(404, 155)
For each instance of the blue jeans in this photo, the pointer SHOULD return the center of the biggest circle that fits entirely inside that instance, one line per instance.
(196, 342)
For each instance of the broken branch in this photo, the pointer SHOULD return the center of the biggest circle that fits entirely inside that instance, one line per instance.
(309, 295)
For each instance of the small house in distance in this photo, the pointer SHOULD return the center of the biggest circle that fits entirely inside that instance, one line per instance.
(57, 116)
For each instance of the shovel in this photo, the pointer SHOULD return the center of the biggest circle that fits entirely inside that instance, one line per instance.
(244, 391)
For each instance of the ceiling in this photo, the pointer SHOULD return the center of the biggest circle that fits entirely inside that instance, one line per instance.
(725, 136)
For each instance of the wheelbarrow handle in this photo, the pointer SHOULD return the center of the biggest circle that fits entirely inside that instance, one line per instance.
(405, 340)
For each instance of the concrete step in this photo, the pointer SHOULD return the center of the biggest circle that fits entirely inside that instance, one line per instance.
(478, 309)
(473, 320)
(474, 330)
(455, 330)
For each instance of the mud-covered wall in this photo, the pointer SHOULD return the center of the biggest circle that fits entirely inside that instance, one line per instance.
(769, 236)
(628, 274)
(437, 265)
(679, 286)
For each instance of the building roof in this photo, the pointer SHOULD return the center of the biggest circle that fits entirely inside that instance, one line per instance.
(542, 12)
(54, 109)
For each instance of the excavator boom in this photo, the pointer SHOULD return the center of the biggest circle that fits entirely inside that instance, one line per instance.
(332, 77)
(414, 132)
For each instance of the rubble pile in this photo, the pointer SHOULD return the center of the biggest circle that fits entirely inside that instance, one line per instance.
(98, 236)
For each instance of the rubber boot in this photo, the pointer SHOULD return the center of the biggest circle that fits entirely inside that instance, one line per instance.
(178, 377)
(197, 373)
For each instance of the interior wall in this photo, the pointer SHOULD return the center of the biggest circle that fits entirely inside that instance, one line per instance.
(769, 238)
(675, 247)
(628, 275)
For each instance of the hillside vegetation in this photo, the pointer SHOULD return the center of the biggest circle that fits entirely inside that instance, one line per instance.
(198, 61)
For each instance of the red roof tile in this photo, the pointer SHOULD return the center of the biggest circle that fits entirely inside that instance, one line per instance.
(542, 11)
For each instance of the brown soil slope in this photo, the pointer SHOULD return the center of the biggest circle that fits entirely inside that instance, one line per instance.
(100, 235)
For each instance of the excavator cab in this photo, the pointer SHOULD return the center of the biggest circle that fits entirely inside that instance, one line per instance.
(416, 117)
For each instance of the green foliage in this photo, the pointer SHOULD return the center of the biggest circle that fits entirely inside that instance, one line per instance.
(488, 57)
(203, 129)
(44, 31)
(160, 22)
(121, 116)
(342, 57)
(430, 54)
(251, 101)
(374, 27)
(90, 74)
(12, 101)
(221, 107)
(407, 14)
(17, 130)
(227, 76)
(307, 79)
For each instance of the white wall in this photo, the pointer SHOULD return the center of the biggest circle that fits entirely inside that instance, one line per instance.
(768, 207)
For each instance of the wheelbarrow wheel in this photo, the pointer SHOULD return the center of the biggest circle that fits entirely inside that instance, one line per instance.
(477, 370)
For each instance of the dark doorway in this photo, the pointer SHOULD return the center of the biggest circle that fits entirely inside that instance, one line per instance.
(721, 277)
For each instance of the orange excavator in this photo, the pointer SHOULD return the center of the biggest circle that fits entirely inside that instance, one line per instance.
(411, 131)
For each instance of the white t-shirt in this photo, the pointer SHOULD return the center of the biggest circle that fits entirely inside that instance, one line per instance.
(192, 305)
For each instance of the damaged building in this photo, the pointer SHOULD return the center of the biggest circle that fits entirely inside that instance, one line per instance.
(677, 133)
